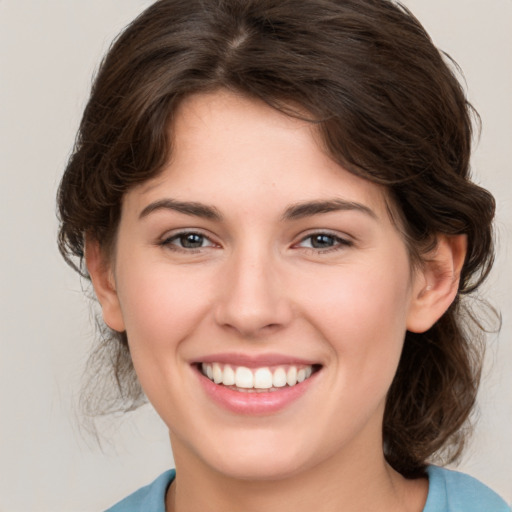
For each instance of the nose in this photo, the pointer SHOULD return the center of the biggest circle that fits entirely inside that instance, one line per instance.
(252, 300)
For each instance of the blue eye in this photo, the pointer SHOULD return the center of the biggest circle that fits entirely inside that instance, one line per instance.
(323, 241)
(188, 240)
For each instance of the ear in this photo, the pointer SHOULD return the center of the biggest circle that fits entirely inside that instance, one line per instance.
(436, 284)
(102, 277)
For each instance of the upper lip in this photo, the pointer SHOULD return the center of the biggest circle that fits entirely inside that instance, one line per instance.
(254, 361)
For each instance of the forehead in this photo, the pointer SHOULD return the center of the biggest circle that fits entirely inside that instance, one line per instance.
(225, 144)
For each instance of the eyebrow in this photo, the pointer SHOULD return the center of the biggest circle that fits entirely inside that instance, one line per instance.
(310, 208)
(187, 207)
(293, 212)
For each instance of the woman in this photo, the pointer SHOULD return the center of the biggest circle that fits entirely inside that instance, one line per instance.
(272, 201)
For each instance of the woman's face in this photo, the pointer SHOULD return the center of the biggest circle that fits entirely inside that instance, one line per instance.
(255, 258)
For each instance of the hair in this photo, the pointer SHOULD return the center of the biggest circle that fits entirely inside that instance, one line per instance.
(389, 108)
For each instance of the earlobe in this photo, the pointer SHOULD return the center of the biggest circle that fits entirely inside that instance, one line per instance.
(436, 284)
(104, 286)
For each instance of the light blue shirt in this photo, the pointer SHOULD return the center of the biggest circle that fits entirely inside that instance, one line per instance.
(448, 491)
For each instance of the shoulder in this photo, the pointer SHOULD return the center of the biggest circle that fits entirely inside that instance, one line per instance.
(451, 491)
(150, 498)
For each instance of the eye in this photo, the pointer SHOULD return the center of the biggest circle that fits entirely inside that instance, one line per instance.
(188, 240)
(322, 241)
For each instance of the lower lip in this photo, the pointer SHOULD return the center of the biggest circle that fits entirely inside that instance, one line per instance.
(256, 402)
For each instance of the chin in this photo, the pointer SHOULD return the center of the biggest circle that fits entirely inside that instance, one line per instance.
(261, 457)
(259, 468)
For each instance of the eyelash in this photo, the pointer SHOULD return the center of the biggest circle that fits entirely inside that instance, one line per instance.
(337, 241)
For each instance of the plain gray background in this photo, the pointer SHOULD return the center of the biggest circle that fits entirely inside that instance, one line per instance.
(49, 50)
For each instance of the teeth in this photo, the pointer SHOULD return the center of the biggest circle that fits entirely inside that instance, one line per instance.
(259, 378)
(244, 378)
(279, 378)
(291, 376)
(229, 376)
(262, 378)
(217, 373)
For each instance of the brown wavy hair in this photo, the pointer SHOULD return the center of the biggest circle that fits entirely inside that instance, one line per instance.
(389, 107)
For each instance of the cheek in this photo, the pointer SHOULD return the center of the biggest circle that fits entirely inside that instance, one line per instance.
(160, 305)
(162, 308)
(362, 315)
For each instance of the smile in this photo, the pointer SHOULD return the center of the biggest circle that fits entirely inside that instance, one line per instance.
(260, 379)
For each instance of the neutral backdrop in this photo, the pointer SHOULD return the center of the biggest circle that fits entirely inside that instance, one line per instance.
(49, 50)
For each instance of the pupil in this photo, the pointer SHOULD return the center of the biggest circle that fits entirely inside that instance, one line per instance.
(322, 241)
(191, 241)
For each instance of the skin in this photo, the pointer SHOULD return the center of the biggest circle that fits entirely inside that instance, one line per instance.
(257, 284)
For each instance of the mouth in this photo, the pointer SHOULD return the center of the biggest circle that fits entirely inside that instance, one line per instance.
(263, 379)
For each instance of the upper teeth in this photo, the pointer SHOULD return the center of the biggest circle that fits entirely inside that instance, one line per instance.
(257, 378)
